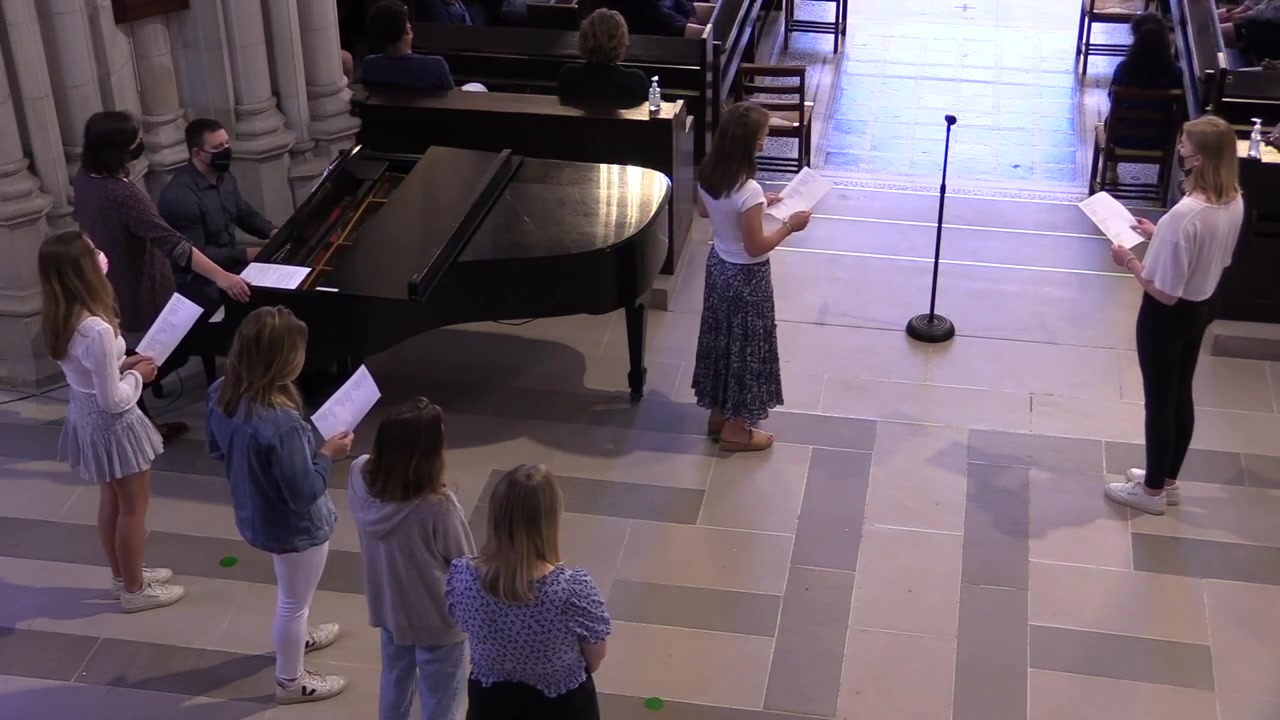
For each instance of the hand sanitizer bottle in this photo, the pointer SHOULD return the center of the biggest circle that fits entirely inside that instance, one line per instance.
(1255, 137)
(655, 96)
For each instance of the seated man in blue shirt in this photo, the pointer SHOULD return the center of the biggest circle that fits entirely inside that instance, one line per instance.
(397, 67)
(673, 18)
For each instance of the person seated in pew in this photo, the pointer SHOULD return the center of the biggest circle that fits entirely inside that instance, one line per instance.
(602, 43)
(446, 12)
(397, 66)
(673, 18)
(1254, 27)
(1148, 65)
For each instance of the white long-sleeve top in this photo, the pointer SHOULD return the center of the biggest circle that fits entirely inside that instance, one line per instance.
(92, 365)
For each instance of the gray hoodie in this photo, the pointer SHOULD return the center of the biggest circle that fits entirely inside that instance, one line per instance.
(407, 549)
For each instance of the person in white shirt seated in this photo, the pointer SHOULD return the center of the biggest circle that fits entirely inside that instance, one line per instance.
(1190, 247)
(737, 374)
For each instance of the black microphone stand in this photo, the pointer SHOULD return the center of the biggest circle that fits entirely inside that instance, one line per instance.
(931, 327)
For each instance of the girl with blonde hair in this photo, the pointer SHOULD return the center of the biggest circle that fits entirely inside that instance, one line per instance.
(1190, 247)
(279, 485)
(537, 628)
(105, 437)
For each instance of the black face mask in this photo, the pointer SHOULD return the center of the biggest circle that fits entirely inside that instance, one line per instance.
(220, 161)
(136, 151)
(1182, 164)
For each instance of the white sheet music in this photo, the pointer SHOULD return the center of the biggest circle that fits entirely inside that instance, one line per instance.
(1113, 219)
(284, 277)
(802, 193)
(342, 412)
(167, 331)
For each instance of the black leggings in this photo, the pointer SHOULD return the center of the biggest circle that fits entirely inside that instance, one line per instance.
(1169, 338)
(517, 701)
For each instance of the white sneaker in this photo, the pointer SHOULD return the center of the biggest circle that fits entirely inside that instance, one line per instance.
(152, 595)
(311, 687)
(1172, 492)
(149, 574)
(1134, 495)
(322, 636)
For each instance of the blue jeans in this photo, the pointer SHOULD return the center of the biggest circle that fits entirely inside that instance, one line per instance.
(440, 672)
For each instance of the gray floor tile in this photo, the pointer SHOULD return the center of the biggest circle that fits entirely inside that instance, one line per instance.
(1213, 559)
(1121, 657)
(997, 447)
(623, 707)
(835, 498)
(698, 608)
(991, 655)
(1262, 471)
(40, 654)
(611, 498)
(1205, 466)
(831, 431)
(181, 670)
(808, 654)
(997, 526)
(29, 442)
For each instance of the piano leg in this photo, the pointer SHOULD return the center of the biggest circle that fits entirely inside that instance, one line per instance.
(635, 315)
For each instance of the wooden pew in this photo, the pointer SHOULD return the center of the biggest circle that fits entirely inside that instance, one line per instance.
(555, 14)
(1201, 52)
(700, 71)
(540, 126)
(1249, 291)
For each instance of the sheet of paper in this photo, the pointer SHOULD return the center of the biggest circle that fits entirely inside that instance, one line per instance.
(1113, 219)
(284, 277)
(802, 193)
(167, 331)
(219, 315)
(342, 412)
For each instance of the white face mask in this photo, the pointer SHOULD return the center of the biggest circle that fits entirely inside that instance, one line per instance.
(102, 261)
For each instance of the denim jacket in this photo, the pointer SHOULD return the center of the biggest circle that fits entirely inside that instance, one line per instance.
(279, 480)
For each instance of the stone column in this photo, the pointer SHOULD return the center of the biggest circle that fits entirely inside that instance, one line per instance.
(22, 29)
(65, 27)
(117, 77)
(163, 120)
(262, 141)
(23, 208)
(332, 125)
(203, 62)
(305, 166)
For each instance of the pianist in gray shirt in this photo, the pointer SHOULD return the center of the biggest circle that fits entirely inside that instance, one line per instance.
(203, 202)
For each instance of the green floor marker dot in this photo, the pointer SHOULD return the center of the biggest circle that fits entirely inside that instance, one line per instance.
(653, 703)
(228, 561)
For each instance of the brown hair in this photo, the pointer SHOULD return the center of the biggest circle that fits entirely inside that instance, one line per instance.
(407, 461)
(732, 160)
(524, 532)
(71, 284)
(266, 358)
(603, 37)
(1217, 177)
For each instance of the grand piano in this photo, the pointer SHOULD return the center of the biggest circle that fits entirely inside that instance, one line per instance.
(402, 244)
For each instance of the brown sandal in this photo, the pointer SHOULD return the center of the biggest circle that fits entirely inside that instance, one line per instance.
(759, 441)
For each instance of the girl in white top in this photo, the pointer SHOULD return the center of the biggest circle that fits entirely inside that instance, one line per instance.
(105, 438)
(1190, 247)
(737, 374)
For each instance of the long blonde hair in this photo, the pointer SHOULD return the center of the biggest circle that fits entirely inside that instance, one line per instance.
(266, 358)
(524, 532)
(1217, 177)
(72, 285)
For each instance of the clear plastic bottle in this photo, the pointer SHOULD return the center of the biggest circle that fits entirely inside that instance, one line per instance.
(655, 96)
(1255, 140)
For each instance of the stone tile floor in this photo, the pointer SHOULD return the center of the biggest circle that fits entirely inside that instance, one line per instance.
(927, 540)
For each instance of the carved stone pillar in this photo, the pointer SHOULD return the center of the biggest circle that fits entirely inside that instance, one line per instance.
(305, 165)
(23, 209)
(332, 125)
(117, 77)
(262, 141)
(22, 30)
(203, 62)
(76, 95)
(163, 120)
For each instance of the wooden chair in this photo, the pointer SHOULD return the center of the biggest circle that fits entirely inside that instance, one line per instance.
(1105, 12)
(780, 89)
(836, 28)
(1142, 129)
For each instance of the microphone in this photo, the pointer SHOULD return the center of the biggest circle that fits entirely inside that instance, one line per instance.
(951, 119)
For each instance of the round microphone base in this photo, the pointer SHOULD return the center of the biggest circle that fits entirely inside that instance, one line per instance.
(928, 328)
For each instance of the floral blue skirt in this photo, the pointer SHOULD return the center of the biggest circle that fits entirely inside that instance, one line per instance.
(737, 370)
